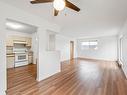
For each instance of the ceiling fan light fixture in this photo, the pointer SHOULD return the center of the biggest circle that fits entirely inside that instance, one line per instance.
(59, 4)
(32, 0)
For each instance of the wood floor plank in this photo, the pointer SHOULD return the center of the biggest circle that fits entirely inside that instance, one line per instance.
(78, 77)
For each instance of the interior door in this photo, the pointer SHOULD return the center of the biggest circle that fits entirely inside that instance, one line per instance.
(124, 49)
(71, 49)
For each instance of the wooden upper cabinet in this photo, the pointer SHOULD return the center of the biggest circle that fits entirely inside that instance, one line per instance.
(17, 38)
(29, 42)
(11, 40)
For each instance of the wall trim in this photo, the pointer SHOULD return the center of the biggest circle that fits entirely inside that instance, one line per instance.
(86, 58)
(119, 62)
(93, 59)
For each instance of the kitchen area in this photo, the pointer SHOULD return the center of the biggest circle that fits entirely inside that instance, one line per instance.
(21, 44)
(19, 51)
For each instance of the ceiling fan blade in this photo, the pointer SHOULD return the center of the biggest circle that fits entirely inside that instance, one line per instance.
(56, 12)
(72, 6)
(40, 1)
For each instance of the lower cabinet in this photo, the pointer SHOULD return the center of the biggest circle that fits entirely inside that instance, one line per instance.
(30, 59)
(10, 61)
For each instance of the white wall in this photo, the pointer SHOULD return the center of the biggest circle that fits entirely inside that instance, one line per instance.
(15, 33)
(2, 58)
(43, 25)
(122, 48)
(63, 45)
(49, 60)
(107, 49)
(34, 47)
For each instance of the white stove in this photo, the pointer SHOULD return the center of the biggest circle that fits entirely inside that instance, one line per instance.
(21, 57)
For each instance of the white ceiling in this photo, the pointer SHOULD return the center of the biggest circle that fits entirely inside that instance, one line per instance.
(96, 18)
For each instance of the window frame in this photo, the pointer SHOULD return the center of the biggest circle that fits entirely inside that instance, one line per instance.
(89, 45)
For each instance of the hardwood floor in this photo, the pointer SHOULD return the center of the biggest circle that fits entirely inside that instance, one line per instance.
(21, 75)
(78, 77)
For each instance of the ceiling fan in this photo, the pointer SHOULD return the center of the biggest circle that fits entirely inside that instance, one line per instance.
(58, 5)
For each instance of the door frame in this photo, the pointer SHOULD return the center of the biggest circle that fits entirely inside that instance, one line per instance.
(71, 50)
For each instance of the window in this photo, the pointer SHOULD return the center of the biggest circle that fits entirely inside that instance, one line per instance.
(89, 45)
(51, 37)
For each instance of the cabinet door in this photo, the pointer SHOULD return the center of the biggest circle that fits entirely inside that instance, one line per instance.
(9, 42)
(10, 62)
(17, 38)
(30, 59)
(29, 41)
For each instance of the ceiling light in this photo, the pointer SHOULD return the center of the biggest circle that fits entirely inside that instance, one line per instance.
(13, 25)
(59, 4)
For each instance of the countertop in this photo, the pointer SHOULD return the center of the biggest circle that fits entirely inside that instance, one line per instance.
(10, 55)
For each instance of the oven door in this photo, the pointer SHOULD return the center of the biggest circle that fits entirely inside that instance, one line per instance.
(21, 57)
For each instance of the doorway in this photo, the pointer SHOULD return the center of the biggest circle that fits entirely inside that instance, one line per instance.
(21, 53)
(71, 50)
(120, 49)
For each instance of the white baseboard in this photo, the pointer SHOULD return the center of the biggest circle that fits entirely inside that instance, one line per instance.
(121, 63)
(114, 60)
